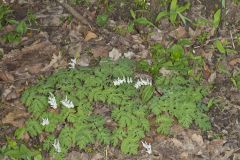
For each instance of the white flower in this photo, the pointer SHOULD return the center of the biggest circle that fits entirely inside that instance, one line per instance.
(67, 103)
(45, 121)
(52, 101)
(148, 147)
(73, 63)
(56, 145)
(129, 80)
(119, 81)
(142, 82)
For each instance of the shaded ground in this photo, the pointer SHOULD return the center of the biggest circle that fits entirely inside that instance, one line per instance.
(54, 41)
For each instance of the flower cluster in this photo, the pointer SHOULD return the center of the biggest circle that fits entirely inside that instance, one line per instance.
(45, 121)
(52, 101)
(148, 147)
(142, 82)
(119, 81)
(73, 63)
(67, 103)
(56, 145)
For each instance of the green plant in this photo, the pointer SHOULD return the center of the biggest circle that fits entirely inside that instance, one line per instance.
(236, 1)
(236, 80)
(15, 151)
(224, 47)
(180, 99)
(216, 18)
(31, 18)
(6, 19)
(202, 38)
(138, 21)
(142, 4)
(102, 20)
(129, 106)
(5, 13)
(172, 58)
(174, 11)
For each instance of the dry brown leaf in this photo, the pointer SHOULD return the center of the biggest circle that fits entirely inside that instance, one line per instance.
(15, 118)
(206, 72)
(115, 54)
(99, 51)
(198, 139)
(235, 61)
(12, 95)
(90, 35)
(54, 60)
(184, 156)
(179, 33)
(212, 77)
(35, 68)
(6, 76)
(176, 142)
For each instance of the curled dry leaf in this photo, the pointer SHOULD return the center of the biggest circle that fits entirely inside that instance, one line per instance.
(212, 77)
(176, 142)
(235, 61)
(55, 59)
(115, 54)
(15, 118)
(90, 35)
(198, 139)
(84, 60)
(100, 51)
(97, 156)
(6, 76)
(129, 54)
(179, 33)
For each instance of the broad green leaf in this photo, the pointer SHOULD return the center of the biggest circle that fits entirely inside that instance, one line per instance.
(161, 15)
(173, 12)
(130, 27)
(217, 18)
(223, 4)
(173, 5)
(21, 27)
(184, 18)
(13, 21)
(143, 21)
(102, 20)
(147, 94)
(219, 46)
(183, 8)
(19, 133)
(132, 14)
(176, 52)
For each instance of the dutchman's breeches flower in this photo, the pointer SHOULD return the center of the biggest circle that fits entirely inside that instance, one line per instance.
(67, 103)
(148, 147)
(52, 101)
(56, 145)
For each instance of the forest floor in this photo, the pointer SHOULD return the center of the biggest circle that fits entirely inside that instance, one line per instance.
(57, 37)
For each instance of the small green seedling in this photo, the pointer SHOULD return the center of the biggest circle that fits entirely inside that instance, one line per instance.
(216, 19)
(102, 20)
(175, 11)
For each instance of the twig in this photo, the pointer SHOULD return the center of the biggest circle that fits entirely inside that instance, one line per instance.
(74, 13)
(214, 39)
(232, 39)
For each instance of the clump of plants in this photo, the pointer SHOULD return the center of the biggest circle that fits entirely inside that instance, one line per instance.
(19, 26)
(63, 107)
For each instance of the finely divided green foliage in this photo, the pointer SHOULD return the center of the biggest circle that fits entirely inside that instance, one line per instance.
(129, 107)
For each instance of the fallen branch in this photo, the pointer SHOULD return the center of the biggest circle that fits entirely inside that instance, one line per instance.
(74, 13)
